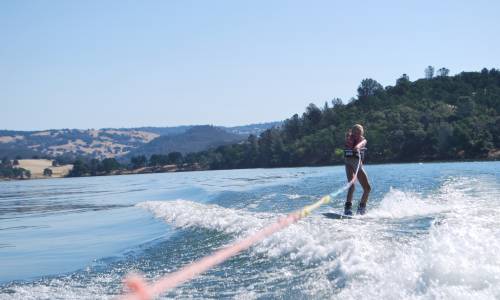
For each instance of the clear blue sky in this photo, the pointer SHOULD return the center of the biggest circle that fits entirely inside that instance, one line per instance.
(94, 64)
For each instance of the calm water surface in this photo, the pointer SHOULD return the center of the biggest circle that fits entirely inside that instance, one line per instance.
(432, 231)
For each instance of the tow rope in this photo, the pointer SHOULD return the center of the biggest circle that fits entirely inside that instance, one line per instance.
(140, 290)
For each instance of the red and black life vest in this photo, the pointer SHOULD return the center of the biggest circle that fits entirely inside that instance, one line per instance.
(351, 142)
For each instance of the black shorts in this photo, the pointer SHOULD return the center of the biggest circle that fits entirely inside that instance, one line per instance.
(349, 153)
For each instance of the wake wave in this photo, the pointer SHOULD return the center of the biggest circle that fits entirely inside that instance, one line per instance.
(399, 204)
(456, 257)
(185, 214)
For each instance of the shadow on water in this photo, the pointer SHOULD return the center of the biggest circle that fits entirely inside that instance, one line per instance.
(25, 227)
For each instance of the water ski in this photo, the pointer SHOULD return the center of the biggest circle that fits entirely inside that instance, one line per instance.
(331, 215)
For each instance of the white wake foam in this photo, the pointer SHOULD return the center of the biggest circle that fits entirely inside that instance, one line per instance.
(184, 214)
(63, 288)
(399, 204)
(455, 258)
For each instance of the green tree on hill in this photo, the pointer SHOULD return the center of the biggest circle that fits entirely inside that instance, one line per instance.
(138, 161)
(443, 72)
(108, 165)
(175, 158)
(368, 88)
(80, 168)
(158, 160)
(47, 172)
(429, 72)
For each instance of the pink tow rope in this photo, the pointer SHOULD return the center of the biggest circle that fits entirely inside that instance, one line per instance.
(140, 290)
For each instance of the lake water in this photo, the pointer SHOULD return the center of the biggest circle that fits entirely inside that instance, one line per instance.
(431, 231)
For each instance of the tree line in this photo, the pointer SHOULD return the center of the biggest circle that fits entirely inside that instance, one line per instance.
(11, 169)
(93, 167)
(172, 158)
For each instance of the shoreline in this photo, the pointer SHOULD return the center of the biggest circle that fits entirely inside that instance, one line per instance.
(129, 172)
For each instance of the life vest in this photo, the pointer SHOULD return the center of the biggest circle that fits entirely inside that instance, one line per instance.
(350, 142)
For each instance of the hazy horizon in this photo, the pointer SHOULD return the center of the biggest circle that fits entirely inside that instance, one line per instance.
(135, 127)
(122, 64)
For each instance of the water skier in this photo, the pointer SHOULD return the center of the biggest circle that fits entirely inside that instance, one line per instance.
(355, 144)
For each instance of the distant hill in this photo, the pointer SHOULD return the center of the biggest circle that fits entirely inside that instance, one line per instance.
(254, 129)
(112, 142)
(249, 129)
(99, 143)
(195, 139)
(13, 145)
(160, 131)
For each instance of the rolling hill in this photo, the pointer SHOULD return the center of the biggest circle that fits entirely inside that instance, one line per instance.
(195, 139)
(118, 143)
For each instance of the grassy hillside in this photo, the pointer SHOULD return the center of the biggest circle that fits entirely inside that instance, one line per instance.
(105, 143)
(197, 138)
(38, 166)
(98, 143)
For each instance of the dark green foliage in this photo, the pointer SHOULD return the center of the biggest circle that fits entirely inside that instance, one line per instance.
(429, 72)
(108, 164)
(8, 170)
(138, 161)
(64, 159)
(443, 72)
(80, 168)
(173, 158)
(368, 88)
(437, 118)
(93, 167)
(158, 160)
(47, 172)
